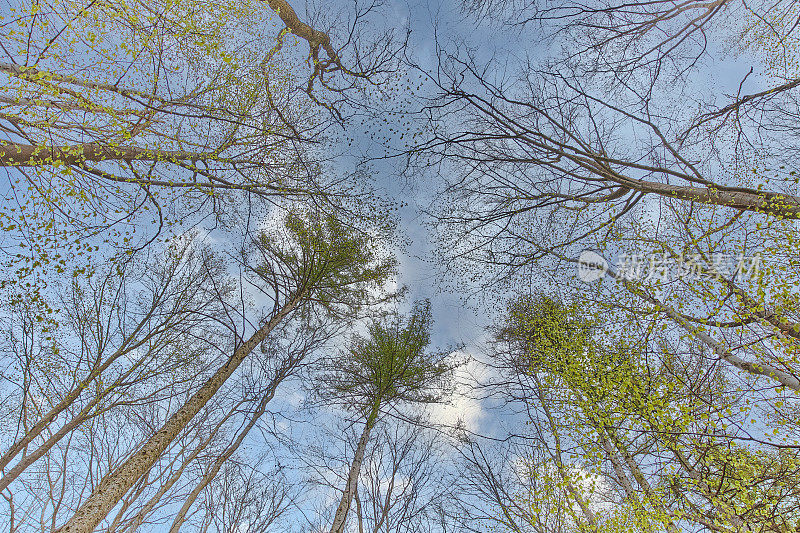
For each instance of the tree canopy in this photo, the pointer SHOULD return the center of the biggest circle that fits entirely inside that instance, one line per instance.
(468, 266)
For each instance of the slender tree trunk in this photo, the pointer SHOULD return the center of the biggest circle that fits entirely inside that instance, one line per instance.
(141, 515)
(614, 449)
(71, 396)
(180, 518)
(386, 504)
(29, 458)
(359, 511)
(352, 478)
(115, 484)
(641, 480)
(619, 470)
(577, 496)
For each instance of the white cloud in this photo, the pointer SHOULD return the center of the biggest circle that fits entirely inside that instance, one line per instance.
(462, 409)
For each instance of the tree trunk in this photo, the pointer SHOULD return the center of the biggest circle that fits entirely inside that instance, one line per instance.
(609, 434)
(576, 495)
(352, 478)
(115, 484)
(771, 203)
(180, 518)
(28, 155)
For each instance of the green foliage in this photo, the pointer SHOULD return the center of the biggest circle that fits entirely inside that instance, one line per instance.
(320, 259)
(614, 401)
(390, 365)
(548, 333)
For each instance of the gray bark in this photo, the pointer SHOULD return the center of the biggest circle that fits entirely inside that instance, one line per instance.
(352, 477)
(114, 485)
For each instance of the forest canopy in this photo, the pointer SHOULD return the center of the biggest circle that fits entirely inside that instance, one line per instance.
(504, 265)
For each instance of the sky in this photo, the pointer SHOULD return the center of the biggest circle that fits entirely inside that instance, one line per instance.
(461, 318)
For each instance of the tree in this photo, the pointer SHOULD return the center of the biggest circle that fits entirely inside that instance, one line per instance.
(318, 265)
(123, 122)
(99, 356)
(618, 143)
(404, 481)
(379, 372)
(546, 157)
(659, 420)
(126, 122)
(107, 347)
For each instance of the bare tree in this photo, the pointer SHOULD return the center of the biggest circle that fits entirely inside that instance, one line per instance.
(543, 156)
(312, 265)
(404, 481)
(112, 348)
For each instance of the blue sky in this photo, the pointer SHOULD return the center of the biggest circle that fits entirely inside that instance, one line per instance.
(461, 315)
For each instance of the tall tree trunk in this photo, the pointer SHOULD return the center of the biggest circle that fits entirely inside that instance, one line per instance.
(565, 478)
(141, 515)
(387, 503)
(622, 476)
(115, 484)
(180, 518)
(570, 490)
(352, 477)
(359, 511)
(28, 155)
